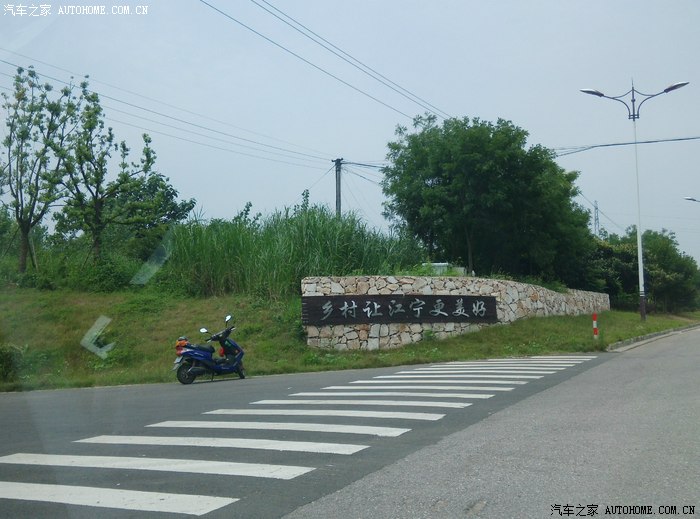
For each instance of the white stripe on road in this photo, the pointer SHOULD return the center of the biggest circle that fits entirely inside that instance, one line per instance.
(395, 393)
(496, 369)
(441, 388)
(284, 426)
(437, 379)
(223, 468)
(458, 374)
(537, 363)
(392, 403)
(567, 357)
(478, 370)
(110, 498)
(330, 412)
(235, 443)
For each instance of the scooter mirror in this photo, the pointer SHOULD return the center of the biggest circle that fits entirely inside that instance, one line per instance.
(204, 330)
(228, 318)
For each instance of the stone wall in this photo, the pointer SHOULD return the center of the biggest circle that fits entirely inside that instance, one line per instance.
(514, 301)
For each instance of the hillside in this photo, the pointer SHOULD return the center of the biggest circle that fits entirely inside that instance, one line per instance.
(41, 331)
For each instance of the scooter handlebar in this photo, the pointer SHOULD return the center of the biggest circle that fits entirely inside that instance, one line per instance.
(222, 335)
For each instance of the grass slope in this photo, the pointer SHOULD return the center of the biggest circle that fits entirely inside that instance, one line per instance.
(40, 334)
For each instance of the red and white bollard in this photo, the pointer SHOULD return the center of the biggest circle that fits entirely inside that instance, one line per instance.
(595, 326)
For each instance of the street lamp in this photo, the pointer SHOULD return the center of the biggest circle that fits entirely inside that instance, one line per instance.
(633, 114)
(690, 198)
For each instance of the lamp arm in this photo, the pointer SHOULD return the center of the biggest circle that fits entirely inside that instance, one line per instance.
(630, 113)
(647, 99)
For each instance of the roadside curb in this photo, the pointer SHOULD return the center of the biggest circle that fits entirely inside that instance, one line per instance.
(628, 344)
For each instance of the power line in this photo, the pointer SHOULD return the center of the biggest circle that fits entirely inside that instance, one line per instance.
(355, 62)
(157, 132)
(320, 69)
(570, 150)
(601, 212)
(177, 119)
(131, 92)
(350, 170)
(111, 108)
(361, 206)
(374, 166)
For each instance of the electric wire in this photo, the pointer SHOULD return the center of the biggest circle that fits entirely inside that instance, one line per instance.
(374, 166)
(189, 123)
(362, 209)
(601, 212)
(355, 62)
(570, 150)
(131, 92)
(111, 108)
(320, 69)
(157, 132)
(350, 170)
(314, 184)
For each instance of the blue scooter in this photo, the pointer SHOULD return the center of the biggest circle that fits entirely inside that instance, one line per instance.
(194, 360)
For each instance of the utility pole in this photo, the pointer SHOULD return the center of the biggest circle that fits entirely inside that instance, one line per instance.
(338, 168)
(596, 220)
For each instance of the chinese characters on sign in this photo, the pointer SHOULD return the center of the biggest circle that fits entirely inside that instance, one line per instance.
(362, 309)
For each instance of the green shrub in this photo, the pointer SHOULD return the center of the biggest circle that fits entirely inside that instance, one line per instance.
(11, 361)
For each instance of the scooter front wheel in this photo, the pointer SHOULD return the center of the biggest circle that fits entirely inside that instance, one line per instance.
(183, 375)
(241, 371)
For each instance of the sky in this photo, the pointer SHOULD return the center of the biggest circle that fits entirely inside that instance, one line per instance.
(243, 108)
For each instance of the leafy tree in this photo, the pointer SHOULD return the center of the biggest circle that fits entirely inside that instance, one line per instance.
(157, 206)
(34, 151)
(671, 278)
(473, 193)
(137, 198)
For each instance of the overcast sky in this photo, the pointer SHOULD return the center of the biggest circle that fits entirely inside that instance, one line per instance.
(254, 113)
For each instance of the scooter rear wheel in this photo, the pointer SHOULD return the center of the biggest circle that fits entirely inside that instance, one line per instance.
(182, 374)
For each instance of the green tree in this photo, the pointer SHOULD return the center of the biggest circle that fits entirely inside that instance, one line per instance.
(474, 194)
(671, 277)
(136, 198)
(157, 206)
(34, 151)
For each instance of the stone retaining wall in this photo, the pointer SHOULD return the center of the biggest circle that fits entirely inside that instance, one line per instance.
(514, 301)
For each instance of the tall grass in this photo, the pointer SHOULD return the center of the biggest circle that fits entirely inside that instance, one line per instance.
(269, 256)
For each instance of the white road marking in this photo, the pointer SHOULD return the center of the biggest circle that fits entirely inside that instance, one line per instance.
(440, 388)
(111, 498)
(284, 426)
(524, 362)
(479, 370)
(491, 368)
(395, 393)
(439, 379)
(330, 412)
(223, 468)
(391, 403)
(460, 374)
(567, 357)
(235, 443)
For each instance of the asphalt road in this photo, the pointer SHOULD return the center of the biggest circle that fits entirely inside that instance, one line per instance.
(623, 436)
(617, 429)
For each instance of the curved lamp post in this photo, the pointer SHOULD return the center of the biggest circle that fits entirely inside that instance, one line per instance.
(633, 114)
(691, 199)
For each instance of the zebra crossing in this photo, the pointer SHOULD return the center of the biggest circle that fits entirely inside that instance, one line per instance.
(358, 410)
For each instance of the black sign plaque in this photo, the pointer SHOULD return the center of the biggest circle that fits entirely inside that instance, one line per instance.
(367, 309)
